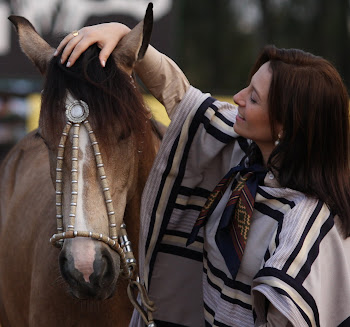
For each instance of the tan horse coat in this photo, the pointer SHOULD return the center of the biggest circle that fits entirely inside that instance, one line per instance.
(32, 290)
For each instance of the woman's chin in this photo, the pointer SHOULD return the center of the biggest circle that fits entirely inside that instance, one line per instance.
(237, 129)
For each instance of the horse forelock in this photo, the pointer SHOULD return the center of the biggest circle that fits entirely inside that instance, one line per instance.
(116, 106)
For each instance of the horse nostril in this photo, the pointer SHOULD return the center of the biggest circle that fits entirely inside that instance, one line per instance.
(105, 269)
(63, 264)
(68, 272)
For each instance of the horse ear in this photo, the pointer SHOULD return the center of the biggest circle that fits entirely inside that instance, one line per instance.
(133, 46)
(32, 44)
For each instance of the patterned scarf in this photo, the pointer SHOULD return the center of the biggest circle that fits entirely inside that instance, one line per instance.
(232, 234)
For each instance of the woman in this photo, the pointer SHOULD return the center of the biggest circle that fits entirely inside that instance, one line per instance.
(275, 166)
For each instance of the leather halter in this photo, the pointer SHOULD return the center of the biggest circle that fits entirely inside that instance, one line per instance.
(77, 112)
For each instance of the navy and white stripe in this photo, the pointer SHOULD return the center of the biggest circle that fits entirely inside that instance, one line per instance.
(286, 252)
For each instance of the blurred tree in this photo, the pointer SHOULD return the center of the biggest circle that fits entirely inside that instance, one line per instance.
(215, 56)
(318, 26)
(218, 41)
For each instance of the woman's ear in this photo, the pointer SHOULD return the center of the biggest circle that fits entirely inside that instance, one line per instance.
(279, 135)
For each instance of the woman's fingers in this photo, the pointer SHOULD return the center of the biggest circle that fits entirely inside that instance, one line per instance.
(106, 36)
(62, 44)
(71, 51)
(68, 44)
(110, 35)
(106, 52)
(74, 44)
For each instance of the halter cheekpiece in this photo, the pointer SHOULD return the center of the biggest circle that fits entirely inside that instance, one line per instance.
(77, 112)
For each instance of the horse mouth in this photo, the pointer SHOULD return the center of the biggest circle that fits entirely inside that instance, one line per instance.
(101, 284)
(82, 290)
(88, 292)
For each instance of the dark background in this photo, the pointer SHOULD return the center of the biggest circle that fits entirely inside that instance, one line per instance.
(215, 48)
(215, 42)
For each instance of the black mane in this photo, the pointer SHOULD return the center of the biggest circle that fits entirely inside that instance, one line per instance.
(116, 107)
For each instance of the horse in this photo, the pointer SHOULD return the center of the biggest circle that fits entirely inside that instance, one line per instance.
(78, 177)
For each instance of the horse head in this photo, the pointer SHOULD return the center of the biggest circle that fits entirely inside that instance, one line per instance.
(100, 143)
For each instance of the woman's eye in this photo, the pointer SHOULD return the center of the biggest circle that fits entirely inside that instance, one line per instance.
(252, 100)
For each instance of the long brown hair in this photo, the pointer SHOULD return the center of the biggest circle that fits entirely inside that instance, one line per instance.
(308, 97)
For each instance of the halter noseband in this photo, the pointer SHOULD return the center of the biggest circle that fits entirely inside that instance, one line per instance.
(77, 112)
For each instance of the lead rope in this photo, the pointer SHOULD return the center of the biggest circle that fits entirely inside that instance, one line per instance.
(77, 112)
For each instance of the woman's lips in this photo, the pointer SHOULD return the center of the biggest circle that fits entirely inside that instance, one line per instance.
(239, 117)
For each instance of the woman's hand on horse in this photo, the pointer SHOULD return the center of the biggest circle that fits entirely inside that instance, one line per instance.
(105, 35)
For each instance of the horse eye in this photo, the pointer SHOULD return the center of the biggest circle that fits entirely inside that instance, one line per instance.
(39, 136)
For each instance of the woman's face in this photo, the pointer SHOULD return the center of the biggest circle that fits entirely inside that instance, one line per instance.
(253, 121)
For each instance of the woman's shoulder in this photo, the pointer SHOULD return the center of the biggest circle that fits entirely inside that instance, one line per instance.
(300, 219)
(306, 251)
(302, 231)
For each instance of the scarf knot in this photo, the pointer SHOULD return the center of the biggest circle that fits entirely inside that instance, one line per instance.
(232, 233)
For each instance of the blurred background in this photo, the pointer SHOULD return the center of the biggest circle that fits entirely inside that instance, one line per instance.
(214, 42)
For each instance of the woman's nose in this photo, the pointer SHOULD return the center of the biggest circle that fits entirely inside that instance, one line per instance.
(238, 98)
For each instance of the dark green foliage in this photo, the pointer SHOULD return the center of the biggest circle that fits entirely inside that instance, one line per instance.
(216, 54)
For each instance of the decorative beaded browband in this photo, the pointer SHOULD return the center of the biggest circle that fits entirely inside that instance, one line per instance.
(77, 112)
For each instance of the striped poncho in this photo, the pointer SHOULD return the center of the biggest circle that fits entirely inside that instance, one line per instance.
(296, 266)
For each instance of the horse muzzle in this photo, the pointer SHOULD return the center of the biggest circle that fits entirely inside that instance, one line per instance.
(95, 279)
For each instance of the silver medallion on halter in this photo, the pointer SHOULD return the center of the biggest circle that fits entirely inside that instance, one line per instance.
(76, 110)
